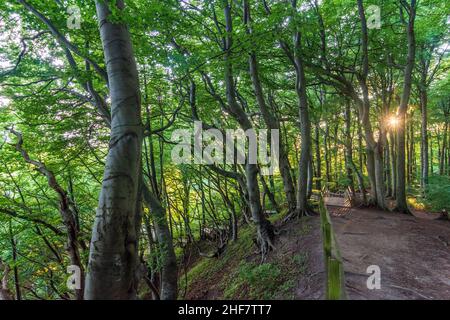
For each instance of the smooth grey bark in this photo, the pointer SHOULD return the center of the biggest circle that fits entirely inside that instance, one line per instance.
(401, 205)
(113, 257)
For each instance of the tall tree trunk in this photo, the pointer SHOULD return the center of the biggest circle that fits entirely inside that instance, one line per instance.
(361, 154)
(326, 146)
(348, 148)
(169, 270)
(412, 151)
(305, 123)
(408, 151)
(374, 149)
(113, 257)
(402, 205)
(393, 157)
(265, 233)
(443, 151)
(318, 158)
(431, 154)
(424, 138)
(309, 187)
(387, 165)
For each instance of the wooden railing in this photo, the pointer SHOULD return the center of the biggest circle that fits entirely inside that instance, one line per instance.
(335, 281)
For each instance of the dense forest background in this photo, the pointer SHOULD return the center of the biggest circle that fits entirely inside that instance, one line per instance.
(91, 93)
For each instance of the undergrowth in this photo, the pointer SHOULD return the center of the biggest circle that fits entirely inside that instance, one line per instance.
(238, 273)
(436, 197)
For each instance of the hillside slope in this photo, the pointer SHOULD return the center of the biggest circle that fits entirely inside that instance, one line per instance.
(295, 270)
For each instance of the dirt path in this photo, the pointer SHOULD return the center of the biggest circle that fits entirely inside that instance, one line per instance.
(413, 254)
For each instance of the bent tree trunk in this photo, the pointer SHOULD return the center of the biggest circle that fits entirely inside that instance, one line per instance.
(114, 243)
(265, 233)
(66, 210)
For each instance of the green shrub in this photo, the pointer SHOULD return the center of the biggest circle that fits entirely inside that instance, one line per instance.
(437, 195)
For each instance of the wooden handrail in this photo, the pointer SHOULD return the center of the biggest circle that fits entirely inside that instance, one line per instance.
(335, 281)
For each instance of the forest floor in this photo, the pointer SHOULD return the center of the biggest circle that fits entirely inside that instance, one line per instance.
(412, 252)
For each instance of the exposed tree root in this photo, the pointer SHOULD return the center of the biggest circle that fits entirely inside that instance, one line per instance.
(297, 214)
(265, 238)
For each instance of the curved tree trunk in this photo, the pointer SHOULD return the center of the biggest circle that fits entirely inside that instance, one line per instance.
(66, 210)
(113, 254)
(265, 231)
